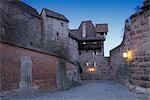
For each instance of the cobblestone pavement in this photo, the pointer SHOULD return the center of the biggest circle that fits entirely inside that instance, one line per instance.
(89, 90)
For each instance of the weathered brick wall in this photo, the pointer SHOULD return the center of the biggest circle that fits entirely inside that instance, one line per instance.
(20, 24)
(48, 71)
(137, 40)
(55, 35)
(55, 30)
(119, 66)
(44, 68)
(73, 49)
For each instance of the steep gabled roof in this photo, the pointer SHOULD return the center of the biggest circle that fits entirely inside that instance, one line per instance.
(24, 7)
(101, 28)
(55, 15)
(91, 31)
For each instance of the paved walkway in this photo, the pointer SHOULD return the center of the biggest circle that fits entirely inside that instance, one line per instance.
(89, 90)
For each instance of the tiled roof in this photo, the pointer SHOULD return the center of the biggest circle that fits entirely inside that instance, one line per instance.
(24, 7)
(101, 28)
(55, 15)
(91, 31)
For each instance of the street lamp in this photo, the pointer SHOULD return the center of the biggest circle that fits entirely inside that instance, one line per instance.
(128, 55)
(125, 54)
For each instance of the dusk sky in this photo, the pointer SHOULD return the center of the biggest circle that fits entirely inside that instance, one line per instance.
(113, 12)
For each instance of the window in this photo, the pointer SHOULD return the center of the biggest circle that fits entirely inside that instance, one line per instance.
(84, 30)
(94, 64)
(57, 34)
(101, 33)
(79, 53)
(84, 42)
(2, 30)
(87, 63)
(95, 53)
(84, 34)
(31, 43)
(94, 42)
(62, 24)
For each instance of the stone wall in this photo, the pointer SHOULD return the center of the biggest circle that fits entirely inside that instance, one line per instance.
(137, 40)
(103, 71)
(26, 59)
(73, 49)
(20, 24)
(119, 66)
(48, 72)
(55, 32)
(44, 68)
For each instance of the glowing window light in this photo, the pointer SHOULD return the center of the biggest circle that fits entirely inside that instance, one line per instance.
(92, 69)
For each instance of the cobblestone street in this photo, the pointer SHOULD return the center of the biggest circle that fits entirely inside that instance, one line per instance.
(89, 90)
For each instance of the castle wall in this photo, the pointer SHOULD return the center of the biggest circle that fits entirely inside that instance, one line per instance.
(48, 72)
(55, 30)
(103, 70)
(26, 59)
(20, 25)
(73, 49)
(137, 40)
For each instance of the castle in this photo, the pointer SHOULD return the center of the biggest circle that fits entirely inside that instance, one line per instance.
(39, 51)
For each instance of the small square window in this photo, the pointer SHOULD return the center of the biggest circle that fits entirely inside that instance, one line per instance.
(84, 42)
(79, 53)
(62, 24)
(95, 53)
(94, 64)
(57, 34)
(94, 42)
(101, 33)
(87, 63)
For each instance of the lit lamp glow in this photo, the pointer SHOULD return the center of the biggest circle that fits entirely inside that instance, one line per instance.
(92, 69)
(128, 55)
(125, 55)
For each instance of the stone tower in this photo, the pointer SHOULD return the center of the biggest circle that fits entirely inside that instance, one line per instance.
(91, 48)
(55, 27)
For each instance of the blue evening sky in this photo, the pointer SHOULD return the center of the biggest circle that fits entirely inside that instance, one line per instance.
(113, 12)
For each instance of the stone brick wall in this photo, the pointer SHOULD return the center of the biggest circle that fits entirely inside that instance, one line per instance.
(137, 40)
(47, 71)
(103, 71)
(20, 24)
(119, 66)
(73, 49)
(44, 68)
(54, 30)
(26, 59)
